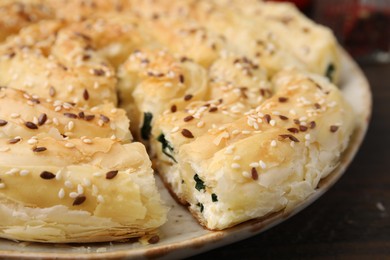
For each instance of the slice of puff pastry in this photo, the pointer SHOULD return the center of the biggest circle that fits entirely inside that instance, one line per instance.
(152, 82)
(16, 14)
(25, 116)
(46, 61)
(270, 159)
(100, 191)
(262, 31)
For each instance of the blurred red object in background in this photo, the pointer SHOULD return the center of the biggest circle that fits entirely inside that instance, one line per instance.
(361, 26)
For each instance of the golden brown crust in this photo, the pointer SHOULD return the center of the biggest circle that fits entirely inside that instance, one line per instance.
(14, 15)
(202, 84)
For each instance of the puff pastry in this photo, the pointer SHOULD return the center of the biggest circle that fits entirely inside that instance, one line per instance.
(47, 61)
(239, 120)
(15, 15)
(35, 115)
(100, 191)
(269, 159)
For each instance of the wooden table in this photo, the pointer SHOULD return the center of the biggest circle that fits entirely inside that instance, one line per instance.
(352, 220)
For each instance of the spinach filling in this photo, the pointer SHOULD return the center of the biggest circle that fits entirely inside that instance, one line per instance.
(214, 197)
(330, 71)
(201, 207)
(146, 128)
(199, 185)
(167, 148)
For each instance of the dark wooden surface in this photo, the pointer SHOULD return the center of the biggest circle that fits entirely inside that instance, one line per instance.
(348, 222)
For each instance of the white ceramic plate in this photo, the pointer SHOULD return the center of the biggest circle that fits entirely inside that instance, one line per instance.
(182, 236)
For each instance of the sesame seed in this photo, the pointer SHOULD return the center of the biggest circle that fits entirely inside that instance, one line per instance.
(188, 118)
(200, 124)
(245, 132)
(246, 174)
(39, 149)
(85, 94)
(42, 119)
(254, 174)
(173, 108)
(292, 112)
(70, 125)
(188, 97)
(52, 91)
(70, 115)
(262, 164)
(100, 198)
(70, 145)
(81, 115)
(293, 130)
(272, 122)
(104, 118)
(98, 72)
(87, 141)
(187, 133)
(273, 143)
(57, 108)
(111, 174)
(80, 189)
(3, 122)
(2, 185)
(58, 175)
(292, 143)
(312, 124)
(307, 136)
(89, 117)
(61, 193)
(55, 121)
(95, 190)
(235, 132)
(283, 117)
(32, 141)
(14, 140)
(79, 200)
(282, 99)
(254, 164)
(334, 128)
(113, 137)
(73, 195)
(267, 117)
(236, 158)
(235, 166)
(24, 172)
(181, 78)
(114, 110)
(154, 239)
(68, 184)
(97, 174)
(4, 149)
(15, 115)
(31, 125)
(87, 182)
(47, 175)
(213, 109)
(12, 171)
(175, 129)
